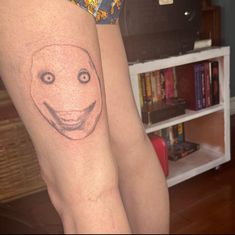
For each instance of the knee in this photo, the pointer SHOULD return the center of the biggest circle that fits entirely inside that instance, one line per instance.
(129, 139)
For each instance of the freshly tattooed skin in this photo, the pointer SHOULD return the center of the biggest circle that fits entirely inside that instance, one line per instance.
(65, 88)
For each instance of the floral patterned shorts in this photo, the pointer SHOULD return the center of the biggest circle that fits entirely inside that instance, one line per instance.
(104, 11)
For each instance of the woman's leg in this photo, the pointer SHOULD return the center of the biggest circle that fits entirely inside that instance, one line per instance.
(50, 63)
(142, 183)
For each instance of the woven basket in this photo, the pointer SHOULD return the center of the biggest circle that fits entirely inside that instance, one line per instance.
(19, 169)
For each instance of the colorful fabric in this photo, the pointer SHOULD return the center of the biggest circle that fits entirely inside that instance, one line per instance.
(104, 11)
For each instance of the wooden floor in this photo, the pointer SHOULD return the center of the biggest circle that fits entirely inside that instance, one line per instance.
(202, 205)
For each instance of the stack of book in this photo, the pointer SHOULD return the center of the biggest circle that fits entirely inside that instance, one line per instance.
(158, 96)
(163, 110)
(198, 84)
(157, 86)
(177, 146)
(195, 85)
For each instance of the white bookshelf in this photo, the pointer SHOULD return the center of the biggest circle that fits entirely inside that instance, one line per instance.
(210, 126)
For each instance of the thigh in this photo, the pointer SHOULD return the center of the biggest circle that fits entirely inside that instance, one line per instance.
(124, 121)
(43, 49)
(50, 64)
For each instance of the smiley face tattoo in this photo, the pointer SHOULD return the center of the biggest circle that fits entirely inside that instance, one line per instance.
(66, 89)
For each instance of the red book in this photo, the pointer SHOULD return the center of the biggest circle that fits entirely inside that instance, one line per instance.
(161, 150)
(169, 83)
(188, 85)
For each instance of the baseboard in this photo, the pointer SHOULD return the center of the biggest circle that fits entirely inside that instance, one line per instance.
(232, 105)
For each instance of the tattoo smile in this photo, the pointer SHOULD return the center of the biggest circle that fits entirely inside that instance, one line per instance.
(71, 120)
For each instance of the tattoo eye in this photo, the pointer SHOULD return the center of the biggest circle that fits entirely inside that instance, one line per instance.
(47, 77)
(84, 76)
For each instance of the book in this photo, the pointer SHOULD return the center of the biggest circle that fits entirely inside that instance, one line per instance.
(166, 136)
(202, 73)
(162, 85)
(189, 85)
(180, 133)
(154, 87)
(161, 111)
(215, 82)
(143, 87)
(207, 83)
(169, 83)
(148, 86)
(175, 134)
(182, 150)
(171, 135)
(140, 91)
(198, 87)
(175, 82)
(160, 148)
(158, 84)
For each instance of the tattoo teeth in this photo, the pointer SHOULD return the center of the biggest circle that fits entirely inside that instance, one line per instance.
(71, 120)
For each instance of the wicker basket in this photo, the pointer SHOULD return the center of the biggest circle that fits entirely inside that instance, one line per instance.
(19, 169)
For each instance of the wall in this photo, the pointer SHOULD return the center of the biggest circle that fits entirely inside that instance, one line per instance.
(228, 34)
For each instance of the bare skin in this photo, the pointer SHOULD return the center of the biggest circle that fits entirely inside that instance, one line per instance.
(80, 174)
(142, 183)
(92, 157)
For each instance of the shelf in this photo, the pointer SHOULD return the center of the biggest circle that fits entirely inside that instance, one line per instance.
(198, 162)
(190, 115)
(215, 142)
(173, 61)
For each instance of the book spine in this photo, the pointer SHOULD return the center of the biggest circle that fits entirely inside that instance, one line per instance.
(180, 133)
(215, 82)
(154, 117)
(176, 136)
(159, 133)
(198, 87)
(162, 82)
(175, 82)
(169, 83)
(188, 149)
(166, 136)
(182, 150)
(143, 86)
(154, 87)
(202, 75)
(148, 86)
(171, 135)
(158, 84)
(140, 91)
(207, 84)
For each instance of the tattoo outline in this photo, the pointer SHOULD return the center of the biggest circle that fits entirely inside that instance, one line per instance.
(66, 89)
